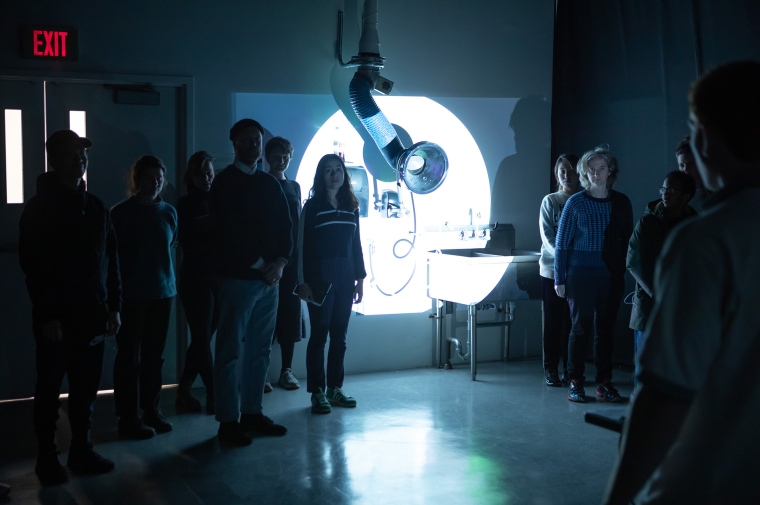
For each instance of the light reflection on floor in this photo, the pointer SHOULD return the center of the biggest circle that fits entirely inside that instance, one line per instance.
(403, 447)
(417, 437)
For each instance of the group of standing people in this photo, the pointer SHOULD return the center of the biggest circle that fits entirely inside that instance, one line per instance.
(588, 242)
(250, 255)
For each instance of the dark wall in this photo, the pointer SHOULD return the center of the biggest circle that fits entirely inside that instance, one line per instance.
(622, 71)
(496, 49)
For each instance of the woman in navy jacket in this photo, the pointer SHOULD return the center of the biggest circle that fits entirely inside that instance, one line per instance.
(330, 259)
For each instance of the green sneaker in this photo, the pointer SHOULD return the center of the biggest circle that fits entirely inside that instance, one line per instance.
(336, 396)
(319, 404)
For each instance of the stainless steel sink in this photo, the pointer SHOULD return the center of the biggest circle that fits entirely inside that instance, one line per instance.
(476, 276)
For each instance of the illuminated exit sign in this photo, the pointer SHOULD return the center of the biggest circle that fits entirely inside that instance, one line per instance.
(50, 43)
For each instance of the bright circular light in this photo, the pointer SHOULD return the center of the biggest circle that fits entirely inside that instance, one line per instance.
(463, 198)
(415, 164)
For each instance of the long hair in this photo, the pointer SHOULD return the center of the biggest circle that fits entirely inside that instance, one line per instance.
(345, 196)
(194, 166)
(606, 155)
(142, 164)
(568, 160)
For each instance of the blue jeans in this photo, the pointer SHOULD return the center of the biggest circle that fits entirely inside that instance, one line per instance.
(638, 340)
(247, 313)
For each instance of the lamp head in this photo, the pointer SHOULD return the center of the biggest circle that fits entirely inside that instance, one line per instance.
(423, 167)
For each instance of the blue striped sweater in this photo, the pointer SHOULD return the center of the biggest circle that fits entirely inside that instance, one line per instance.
(593, 234)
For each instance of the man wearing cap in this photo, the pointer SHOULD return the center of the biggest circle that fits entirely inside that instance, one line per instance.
(252, 221)
(67, 249)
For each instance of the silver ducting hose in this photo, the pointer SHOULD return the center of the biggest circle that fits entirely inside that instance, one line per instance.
(373, 119)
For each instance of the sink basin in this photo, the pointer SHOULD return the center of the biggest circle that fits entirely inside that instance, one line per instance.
(474, 276)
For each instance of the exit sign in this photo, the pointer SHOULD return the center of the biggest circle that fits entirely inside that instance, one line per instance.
(50, 43)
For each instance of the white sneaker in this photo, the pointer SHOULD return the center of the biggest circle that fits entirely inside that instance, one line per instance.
(288, 380)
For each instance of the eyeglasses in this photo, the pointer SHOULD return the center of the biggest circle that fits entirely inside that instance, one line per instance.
(593, 170)
(669, 191)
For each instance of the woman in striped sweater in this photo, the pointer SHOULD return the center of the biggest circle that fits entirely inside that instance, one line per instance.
(330, 259)
(589, 268)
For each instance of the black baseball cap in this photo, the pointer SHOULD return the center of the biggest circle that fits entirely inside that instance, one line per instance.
(242, 125)
(66, 139)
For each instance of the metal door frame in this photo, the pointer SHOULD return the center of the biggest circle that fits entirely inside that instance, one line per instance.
(185, 137)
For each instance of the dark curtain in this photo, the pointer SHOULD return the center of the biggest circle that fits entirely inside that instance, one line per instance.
(622, 71)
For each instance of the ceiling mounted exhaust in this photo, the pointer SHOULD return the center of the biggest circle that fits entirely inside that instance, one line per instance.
(423, 166)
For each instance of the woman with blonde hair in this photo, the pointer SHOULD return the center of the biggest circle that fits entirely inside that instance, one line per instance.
(146, 230)
(589, 268)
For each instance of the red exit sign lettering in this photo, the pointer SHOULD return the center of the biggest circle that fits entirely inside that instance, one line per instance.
(50, 43)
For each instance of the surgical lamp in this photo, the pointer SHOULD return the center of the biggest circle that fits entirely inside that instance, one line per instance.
(424, 165)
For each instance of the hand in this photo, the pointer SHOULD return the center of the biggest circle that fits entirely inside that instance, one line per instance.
(304, 293)
(359, 291)
(272, 271)
(51, 331)
(560, 290)
(114, 323)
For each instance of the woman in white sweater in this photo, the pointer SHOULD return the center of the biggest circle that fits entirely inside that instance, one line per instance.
(556, 310)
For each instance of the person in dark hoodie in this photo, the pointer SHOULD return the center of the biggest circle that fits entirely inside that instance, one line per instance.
(68, 252)
(647, 241)
(251, 220)
(197, 281)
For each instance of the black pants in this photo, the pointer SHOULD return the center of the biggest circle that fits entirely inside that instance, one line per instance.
(200, 300)
(557, 325)
(594, 304)
(332, 317)
(139, 360)
(83, 363)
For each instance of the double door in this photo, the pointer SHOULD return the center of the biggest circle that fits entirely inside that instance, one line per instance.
(35, 108)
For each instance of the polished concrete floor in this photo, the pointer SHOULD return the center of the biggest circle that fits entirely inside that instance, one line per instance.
(417, 437)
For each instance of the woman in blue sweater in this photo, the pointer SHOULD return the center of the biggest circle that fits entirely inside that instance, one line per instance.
(589, 268)
(146, 230)
(330, 259)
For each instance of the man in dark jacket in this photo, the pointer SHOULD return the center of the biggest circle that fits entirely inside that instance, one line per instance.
(647, 242)
(252, 222)
(68, 251)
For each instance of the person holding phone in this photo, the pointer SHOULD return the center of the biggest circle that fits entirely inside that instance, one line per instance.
(330, 277)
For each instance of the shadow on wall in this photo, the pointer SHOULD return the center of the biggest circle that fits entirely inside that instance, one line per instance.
(523, 176)
(113, 152)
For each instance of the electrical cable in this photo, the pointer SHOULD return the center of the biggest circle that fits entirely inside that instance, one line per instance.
(629, 295)
(398, 256)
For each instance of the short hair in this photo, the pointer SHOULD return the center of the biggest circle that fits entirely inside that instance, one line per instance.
(598, 152)
(684, 146)
(728, 100)
(685, 180)
(142, 164)
(242, 125)
(278, 142)
(194, 166)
